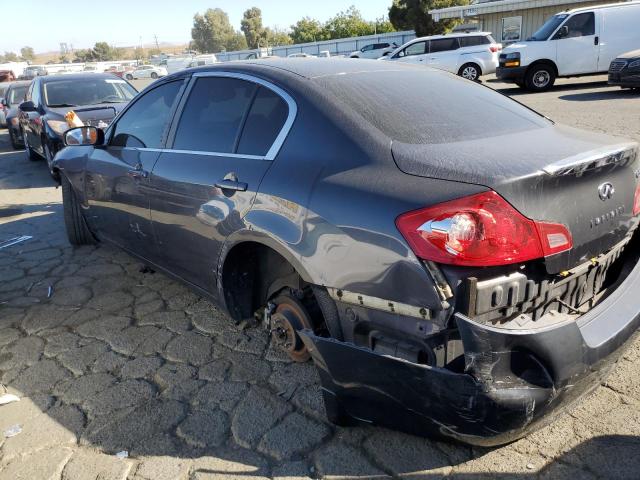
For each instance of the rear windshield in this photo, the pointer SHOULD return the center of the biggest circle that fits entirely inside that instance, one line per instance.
(89, 91)
(423, 106)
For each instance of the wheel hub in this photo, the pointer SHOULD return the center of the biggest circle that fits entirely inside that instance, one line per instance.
(290, 317)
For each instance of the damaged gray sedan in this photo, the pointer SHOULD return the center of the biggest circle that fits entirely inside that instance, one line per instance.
(455, 264)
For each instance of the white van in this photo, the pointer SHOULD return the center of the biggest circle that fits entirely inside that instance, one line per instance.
(577, 42)
(467, 54)
(175, 64)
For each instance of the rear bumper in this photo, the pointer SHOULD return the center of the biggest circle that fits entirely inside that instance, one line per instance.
(511, 74)
(513, 380)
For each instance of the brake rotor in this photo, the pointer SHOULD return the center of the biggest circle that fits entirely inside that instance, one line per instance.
(289, 317)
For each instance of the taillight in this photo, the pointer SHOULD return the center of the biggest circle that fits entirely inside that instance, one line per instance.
(636, 202)
(481, 230)
(495, 48)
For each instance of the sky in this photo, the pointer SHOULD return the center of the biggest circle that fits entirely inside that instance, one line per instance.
(128, 22)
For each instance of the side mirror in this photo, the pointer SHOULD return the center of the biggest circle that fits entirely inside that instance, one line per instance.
(563, 32)
(84, 136)
(27, 107)
(4, 103)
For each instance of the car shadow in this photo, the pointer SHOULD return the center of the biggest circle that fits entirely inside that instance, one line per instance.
(516, 91)
(620, 94)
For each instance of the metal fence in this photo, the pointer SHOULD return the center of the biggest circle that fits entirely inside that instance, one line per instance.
(342, 46)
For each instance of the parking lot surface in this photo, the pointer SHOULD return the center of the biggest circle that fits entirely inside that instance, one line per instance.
(108, 359)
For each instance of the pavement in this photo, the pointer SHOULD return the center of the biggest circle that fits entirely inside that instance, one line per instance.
(129, 375)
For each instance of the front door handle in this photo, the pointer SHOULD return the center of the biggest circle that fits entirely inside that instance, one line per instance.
(138, 173)
(228, 184)
(596, 40)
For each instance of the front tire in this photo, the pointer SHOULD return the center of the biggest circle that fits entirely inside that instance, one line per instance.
(129, 76)
(154, 75)
(77, 230)
(470, 71)
(540, 78)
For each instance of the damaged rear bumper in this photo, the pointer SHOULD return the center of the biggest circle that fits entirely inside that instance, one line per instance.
(512, 382)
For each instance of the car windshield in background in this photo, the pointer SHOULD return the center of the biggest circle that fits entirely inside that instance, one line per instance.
(548, 28)
(90, 91)
(16, 95)
(428, 107)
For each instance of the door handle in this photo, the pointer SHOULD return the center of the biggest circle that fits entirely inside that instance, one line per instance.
(138, 173)
(596, 40)
(228, 184)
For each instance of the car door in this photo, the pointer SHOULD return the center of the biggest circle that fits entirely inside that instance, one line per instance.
(229, 129)
(443, 54)
(577, 45)
(32, 121)
(413, 53)
(117, 175)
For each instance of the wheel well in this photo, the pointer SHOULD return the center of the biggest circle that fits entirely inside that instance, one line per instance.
(470, 63)
(545, 62)
(252, 274)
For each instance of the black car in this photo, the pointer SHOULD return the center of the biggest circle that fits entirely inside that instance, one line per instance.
(95, 99)
(13, 98)
(624, 71)
(454, 263)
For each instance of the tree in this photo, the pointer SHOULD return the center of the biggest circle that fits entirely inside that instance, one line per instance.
(10, 57)
(414, 15)
(212, 31)
(307, 30)
(382, 25)
(237, 41)
(83, 56)
(27, 53)
(347, 24)
(276, 37)
(102, 51)
(251, 26)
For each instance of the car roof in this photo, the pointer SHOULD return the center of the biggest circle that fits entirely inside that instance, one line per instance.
(453, 35)
(74, 76)
(599, 7)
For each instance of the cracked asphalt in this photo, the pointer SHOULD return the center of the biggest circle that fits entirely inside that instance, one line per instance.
(107, 359)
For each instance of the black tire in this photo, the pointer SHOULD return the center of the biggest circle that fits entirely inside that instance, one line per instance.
(14, 141)
(77, 230)
(128, 76)
(540, 77)
(470, 71)
(48, 156)
(154, 75)
(31, 155)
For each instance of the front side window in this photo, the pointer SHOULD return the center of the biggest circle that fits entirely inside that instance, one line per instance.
(16, 95)
(444, 45)
(418, 48)
(580, 25)
(264, 122)
(213, 114)
(144, 123)
(367, 48)
(548, 28)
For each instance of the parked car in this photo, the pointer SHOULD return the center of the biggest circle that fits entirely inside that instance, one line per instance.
(147, 71)
(301, 55)
(374, 50)
(7, 76)
(120, 70)
(95, 99)
(469, 55)
(33, 71)
(3, 90)
(625, 70)
(583, 41)
(458, 266)
(14, 96)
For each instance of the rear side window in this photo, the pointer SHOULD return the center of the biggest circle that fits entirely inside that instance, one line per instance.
(444, 45)
(265, 120)
(144, 123)
(213, 115)
(474, 41)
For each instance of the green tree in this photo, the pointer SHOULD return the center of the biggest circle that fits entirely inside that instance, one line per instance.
(307, 30)
(10, 57)
(347, 24)
(102, 51)
(28, 54)
(84, 56)
(382, 25)
(237, 41)
(212, 31)
(251, 26)
(276, 37)
(414, 15)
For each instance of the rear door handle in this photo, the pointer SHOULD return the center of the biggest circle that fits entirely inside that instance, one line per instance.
(236, 186)
(596, 40)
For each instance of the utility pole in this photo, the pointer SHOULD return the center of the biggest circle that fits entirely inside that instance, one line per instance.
(157, 44)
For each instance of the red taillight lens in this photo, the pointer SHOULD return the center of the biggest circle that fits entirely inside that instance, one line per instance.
(495, 48)
(481, 230)
(636, 202)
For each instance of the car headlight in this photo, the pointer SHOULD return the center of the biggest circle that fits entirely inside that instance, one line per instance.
(512, 56)
(58, 126)
(634, 64)
(511, 59)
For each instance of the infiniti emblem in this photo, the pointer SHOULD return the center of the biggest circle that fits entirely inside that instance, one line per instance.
(606, 191)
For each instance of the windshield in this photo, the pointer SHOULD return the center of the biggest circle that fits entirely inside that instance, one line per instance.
(548, 28)
(16, 95)
(73, 93)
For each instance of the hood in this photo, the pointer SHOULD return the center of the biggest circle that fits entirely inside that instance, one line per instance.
(631, 54)
(100, 115)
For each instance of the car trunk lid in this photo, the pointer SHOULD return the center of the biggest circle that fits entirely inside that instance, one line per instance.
(557, 174)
